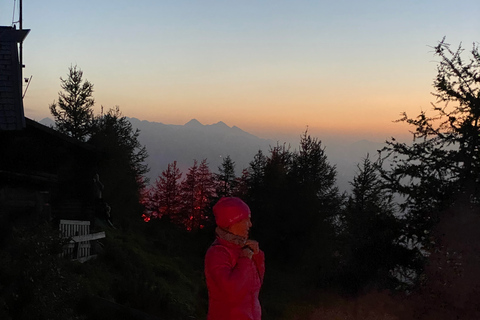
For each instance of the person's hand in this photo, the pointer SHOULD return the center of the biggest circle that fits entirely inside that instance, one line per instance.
(252, 244)
(247, 252)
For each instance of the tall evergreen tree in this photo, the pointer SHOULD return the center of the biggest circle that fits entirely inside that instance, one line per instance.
(122, 165)
(375, 253)
(297, 205)
(317, 200)
(256, 174)
(197, 189)
(74, 111)
(205, 194)
(442, 163)
(165, 196)
(188, 188)
(226, 179)
(242, 184)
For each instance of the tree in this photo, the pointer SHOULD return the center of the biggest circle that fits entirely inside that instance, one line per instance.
(256, 174)
(74, 111)
(205, 193)
(442, 163)
(242, 186)
(270, 202)
(373, 235)
(115, 135)
(122, 165)
(318, 203)
(197, 192)
(188, 187)
(226, 179)
(164, 199)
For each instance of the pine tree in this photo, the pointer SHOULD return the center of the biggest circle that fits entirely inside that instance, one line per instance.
(271, 202)
(242, 184)
(188, 190)
(256, 174)
(122, 166)
(373, 234)
(198, 190)
(74, 111)
(318, 203)
(205, 194)
(226, 179)
(442, 163)
(165, 197)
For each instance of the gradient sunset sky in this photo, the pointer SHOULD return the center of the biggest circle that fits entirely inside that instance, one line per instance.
(271, 68)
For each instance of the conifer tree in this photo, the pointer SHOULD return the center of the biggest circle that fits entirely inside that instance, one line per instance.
(242, 184)
(74, 111)
(205, 193)
(442, 163)
(256, 173)
(373, 234)
(318, 203)
(226, 179)
(188, 190)
(166, 193)
(122, 166)
(197, 190)
(271, 200)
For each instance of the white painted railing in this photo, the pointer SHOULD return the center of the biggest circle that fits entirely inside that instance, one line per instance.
(79, 246)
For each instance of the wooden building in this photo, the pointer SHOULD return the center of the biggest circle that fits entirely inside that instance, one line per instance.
(44, 174)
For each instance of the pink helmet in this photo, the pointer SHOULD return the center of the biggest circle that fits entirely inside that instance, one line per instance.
(230, 210)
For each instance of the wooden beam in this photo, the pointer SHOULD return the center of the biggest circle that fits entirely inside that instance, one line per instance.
(89, 237)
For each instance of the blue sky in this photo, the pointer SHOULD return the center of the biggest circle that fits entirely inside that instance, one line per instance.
(269, 67)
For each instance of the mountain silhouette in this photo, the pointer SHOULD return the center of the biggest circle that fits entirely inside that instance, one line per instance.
(166, 143)
(194, 140)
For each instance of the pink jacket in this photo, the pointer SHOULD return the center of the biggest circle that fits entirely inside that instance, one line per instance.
(233, 282)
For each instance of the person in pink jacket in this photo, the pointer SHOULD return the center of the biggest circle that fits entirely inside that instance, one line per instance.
(234, 265)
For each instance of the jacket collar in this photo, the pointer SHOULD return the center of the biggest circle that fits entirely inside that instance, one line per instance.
(230, 237)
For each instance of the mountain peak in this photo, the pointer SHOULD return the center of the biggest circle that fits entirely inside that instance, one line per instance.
(193, 123)
(221, 124)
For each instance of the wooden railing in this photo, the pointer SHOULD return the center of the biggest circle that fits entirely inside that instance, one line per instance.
(79, 245)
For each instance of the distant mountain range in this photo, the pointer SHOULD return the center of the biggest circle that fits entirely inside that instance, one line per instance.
(193, 140)
(166, 143)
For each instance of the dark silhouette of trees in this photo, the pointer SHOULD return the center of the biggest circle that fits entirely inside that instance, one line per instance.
(205, 193)
(442, 163)
(269, 201)
(74, 111)
(256, 174)
(318, 203)
(189, 188)
(375, 253)
(121, 140)
(225, 178)
(295, 204)
(122, 164)
(242, 187)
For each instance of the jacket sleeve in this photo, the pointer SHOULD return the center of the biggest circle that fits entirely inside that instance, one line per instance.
(231, 279)
(259, 260)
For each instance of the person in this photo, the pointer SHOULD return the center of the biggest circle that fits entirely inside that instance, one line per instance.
(234, 265)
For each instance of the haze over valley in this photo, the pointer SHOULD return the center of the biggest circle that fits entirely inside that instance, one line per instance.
(193, 140)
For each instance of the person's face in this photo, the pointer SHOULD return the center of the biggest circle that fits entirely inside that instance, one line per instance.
(241, 228)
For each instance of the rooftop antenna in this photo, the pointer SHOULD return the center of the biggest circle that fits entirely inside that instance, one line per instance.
(20, 20)
(21, 42)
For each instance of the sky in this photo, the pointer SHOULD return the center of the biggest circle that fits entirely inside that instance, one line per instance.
(273, 68)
